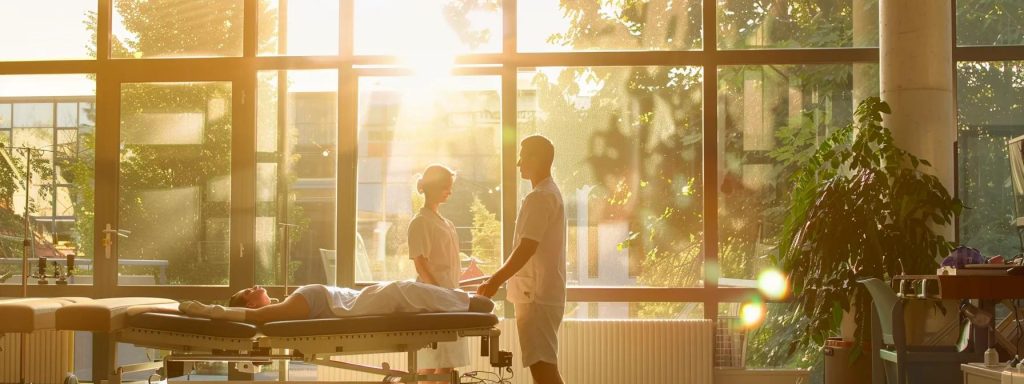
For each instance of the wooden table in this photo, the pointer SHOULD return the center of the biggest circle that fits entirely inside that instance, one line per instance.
(960, 287)
(989, 290)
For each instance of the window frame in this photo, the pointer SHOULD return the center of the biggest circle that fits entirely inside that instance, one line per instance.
(110, 73)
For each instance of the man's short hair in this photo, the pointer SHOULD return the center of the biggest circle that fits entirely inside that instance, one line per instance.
(541, 147)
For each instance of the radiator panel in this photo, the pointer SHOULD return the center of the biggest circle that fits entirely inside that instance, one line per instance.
(48, 358)
(594, 351)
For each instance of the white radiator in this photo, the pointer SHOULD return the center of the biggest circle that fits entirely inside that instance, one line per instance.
(595, 352)
(49, 356)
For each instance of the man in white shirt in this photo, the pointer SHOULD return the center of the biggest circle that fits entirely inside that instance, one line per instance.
(536, 269)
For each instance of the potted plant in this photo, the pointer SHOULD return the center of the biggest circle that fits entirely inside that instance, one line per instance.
(861, 207)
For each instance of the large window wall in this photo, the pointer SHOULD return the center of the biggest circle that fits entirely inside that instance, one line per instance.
(277, 142)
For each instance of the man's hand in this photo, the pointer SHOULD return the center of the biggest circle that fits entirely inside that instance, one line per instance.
(487, 289)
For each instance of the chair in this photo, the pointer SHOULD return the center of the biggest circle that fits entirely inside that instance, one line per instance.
(896, 362)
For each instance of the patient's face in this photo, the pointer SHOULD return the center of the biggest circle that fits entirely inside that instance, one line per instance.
(255, 297)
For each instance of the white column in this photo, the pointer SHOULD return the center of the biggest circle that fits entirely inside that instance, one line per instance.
(916, 69)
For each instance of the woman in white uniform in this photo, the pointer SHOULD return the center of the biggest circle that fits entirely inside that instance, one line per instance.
(434, 247)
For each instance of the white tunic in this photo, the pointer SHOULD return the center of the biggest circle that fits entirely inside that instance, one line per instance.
(541, 219)
(434, 238)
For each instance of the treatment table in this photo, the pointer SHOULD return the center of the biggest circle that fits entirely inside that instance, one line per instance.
(189, 339)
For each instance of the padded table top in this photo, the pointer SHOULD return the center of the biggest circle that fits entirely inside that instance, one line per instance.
(193, 325)
(351, 325)
(370, 324)
(102, 315)
(32, 313)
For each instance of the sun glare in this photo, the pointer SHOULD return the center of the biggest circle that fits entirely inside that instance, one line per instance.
(752, 314)
(772, 284)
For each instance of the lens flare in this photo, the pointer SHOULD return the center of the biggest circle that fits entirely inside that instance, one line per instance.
(772, 284)
(752, 314)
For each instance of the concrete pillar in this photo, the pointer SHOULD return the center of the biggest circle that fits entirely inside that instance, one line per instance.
(916, 70)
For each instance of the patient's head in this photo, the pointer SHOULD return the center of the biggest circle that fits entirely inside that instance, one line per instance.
(254, 297)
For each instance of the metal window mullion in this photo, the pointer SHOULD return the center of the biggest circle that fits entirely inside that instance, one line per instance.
(346, 180)
(250, 28)
(107, 151)
(509, 136)
(242, 219)
(988, 53)
(710, 157)
(509, 130)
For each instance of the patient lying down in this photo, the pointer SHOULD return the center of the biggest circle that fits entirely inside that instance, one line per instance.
(252, 305)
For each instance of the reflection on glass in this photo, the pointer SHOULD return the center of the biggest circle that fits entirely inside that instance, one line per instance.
(60, 193)
(296, 134)
(175, 183)
(308, 27)
(995, 22)
(989, 98)
(552, 25)
(772, 119)
(427, 28)
(47, 30)
(407, 123)
(745, 24)
(177, 28)
(628, 163)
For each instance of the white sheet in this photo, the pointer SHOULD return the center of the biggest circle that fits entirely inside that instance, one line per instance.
(395, 297)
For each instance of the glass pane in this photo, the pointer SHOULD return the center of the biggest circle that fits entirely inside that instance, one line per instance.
(625, 311)
(175, 183)
(67, 115)
(628, 162)
(552, 25)
(87, 116)
(38, 138)
(427, 28)
(295, 176)
(47, 30)
(177, 28)
(28, 115)
(5, 115)
(772, 119)
(406, 124)
(308, 27)
(746, 24)
(992, 22)
(60, 199)
(989, 98)
(19, 87)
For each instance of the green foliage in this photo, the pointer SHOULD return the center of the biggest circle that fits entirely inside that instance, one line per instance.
(486, 234)
(861, 207)
(14, 168)
(989, 22)
(988, 95)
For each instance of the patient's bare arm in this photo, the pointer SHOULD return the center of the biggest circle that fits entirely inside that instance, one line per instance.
(294, 307)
